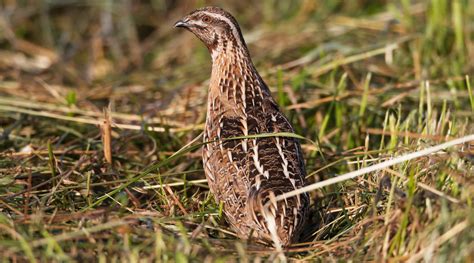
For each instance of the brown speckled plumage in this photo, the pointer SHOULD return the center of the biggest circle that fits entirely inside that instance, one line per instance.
(247, 174)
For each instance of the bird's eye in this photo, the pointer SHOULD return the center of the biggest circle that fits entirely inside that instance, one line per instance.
(206, 19)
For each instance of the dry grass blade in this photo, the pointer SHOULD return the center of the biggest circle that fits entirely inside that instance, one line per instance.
(354, 58)
(96, 122)
(451, 233)
(377, 167)
(106, 133)
(426, 187)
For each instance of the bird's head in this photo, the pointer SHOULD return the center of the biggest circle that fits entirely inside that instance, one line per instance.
(215, 27)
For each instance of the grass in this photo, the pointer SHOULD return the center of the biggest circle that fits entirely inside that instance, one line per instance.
(363, 82)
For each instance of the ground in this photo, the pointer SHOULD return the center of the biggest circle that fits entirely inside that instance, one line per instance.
(362, 81)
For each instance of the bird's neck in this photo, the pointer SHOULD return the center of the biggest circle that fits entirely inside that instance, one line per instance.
(232, 72)
(232, 57)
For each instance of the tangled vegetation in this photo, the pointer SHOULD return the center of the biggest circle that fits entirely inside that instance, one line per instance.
(102, 105)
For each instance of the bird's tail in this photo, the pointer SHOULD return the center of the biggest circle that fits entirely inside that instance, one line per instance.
(281, 221)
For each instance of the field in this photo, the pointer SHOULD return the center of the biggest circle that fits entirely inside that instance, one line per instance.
(102, 105)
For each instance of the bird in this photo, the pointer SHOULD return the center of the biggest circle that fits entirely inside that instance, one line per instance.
(248, 173)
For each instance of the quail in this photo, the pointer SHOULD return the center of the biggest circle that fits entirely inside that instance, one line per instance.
(246, 174)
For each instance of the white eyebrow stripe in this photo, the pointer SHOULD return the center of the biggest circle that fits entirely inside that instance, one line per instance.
(198, 23)
(235, 32)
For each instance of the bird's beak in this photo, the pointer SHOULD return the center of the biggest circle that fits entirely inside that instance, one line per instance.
(181, 23)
